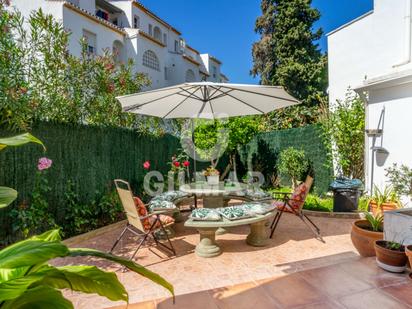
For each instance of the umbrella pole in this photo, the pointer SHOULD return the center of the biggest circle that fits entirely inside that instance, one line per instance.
(194, 151)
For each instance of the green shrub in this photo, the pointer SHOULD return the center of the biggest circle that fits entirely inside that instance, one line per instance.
(317, 203)
(293, 163)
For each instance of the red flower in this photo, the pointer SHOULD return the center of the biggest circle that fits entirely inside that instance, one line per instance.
(176, 163)
(110, 88)
(146, 165)
(109, 66)
(186, 163)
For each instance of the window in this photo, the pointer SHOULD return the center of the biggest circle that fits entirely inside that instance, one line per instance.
(90, 39)
(150, 60)
(214, 70)
(118, 51)
(157, 34)
(166, 74)
(136, 22)
(150, 29)
(165, 39)
(176, 46)
(190, 76)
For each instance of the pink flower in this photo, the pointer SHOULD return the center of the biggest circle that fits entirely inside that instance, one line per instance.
(44, 163)
(146, 165)
(186, 163)
(176, 163)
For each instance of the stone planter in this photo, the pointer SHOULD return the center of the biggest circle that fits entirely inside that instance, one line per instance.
(213, 180)
(390, 260)
(383, 207)
(364, 239)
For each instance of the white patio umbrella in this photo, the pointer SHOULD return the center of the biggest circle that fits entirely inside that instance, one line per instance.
(207, 100)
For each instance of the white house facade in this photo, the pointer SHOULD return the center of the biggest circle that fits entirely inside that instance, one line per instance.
(131, 31)
(372, 55)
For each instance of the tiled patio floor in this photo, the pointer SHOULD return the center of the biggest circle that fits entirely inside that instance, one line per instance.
(272, 276)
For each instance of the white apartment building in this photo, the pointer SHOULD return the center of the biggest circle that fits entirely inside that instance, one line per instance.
(132, 31)
(372, 55)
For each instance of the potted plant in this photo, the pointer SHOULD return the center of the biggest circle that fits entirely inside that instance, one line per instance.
(212, 175)
(390, 256)
(384, 200)
(365, 232)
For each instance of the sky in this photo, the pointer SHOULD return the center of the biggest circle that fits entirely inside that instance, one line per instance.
(225, 28)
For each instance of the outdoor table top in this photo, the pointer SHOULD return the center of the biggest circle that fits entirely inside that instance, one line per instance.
(228, 223)
(203, 188)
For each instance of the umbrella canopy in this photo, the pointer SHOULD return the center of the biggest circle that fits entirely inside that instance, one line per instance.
(207, 100)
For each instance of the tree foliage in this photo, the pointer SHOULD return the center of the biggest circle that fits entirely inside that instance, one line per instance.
(293, 163)
(344, 134)
(287, 54)
(41, 80)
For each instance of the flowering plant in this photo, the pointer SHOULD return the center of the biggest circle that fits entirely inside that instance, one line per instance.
(211, 171)
(146, 165)
(44, 164)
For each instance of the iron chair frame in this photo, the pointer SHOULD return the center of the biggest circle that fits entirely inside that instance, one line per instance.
(141, 232)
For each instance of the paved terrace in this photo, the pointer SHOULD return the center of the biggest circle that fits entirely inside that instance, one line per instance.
(294, 271)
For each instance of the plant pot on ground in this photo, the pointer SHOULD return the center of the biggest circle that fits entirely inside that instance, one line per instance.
(364, 233)
(408, 251)
(384, 200)
(390, 256)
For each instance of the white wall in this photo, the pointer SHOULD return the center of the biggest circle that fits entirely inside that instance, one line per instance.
(27, 7)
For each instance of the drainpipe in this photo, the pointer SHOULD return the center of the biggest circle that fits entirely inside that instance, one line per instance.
(408, 34)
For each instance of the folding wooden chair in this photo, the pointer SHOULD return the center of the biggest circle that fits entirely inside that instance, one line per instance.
(293, 203)
(135, 222)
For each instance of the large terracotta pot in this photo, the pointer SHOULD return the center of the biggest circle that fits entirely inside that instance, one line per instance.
(408, 251)
(383, 207)
(364, 239)
(390, 260)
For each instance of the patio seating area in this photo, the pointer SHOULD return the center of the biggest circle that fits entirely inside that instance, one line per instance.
(293, 249)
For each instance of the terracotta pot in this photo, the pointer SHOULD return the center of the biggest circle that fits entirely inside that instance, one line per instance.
(383, 207)
(408, 251)
(364, 239)
(390, 260)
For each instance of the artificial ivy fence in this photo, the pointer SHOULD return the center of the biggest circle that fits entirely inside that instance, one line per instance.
(308, 138)
(91, 157)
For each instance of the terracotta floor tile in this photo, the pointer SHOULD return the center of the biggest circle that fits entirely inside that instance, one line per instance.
(372, 274)
(143, 305)
(334, 281)
(371, 299)
(328, 304)
(293, 290)
(189, 301)
(402, 292)
(243, 296)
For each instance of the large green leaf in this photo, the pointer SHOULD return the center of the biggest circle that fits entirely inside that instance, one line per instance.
(31, 252)
(87, 279)
(129, 264)
(19, 140)
(7, 196)
(52, 235)
(40, 297)
(7, 274)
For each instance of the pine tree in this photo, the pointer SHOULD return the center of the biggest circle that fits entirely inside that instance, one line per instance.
(287, 53)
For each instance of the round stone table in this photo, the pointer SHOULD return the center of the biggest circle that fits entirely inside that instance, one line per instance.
(213, 196)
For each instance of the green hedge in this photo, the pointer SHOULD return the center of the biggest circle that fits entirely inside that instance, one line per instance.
(307, 138)
(90, 157)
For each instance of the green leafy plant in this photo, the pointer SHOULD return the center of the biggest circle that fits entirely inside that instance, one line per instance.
(401, 179)
(388, 195)
(375, 221)
(28, 281)
(395, 246)
(344, 134)
(293, 163)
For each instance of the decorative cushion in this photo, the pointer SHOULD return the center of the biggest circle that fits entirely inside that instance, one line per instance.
(256, 194)
(160, 205)
(142, 211)
(170, 196)
(235, 213)
(257, 208)
(205, 214)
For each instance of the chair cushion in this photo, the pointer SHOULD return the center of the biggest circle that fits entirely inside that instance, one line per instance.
(256, 194)
(257, 208)
(170, 196)
(160, 205)
(205, 214)
(298, 197)
(142, 211)
(235, 213)
(280, 205)
(165, 220)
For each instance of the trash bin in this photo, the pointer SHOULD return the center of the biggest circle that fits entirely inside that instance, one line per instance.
(346, 194)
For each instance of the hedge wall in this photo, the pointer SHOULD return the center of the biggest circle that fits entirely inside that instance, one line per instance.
(306, 138)
(90, 157)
